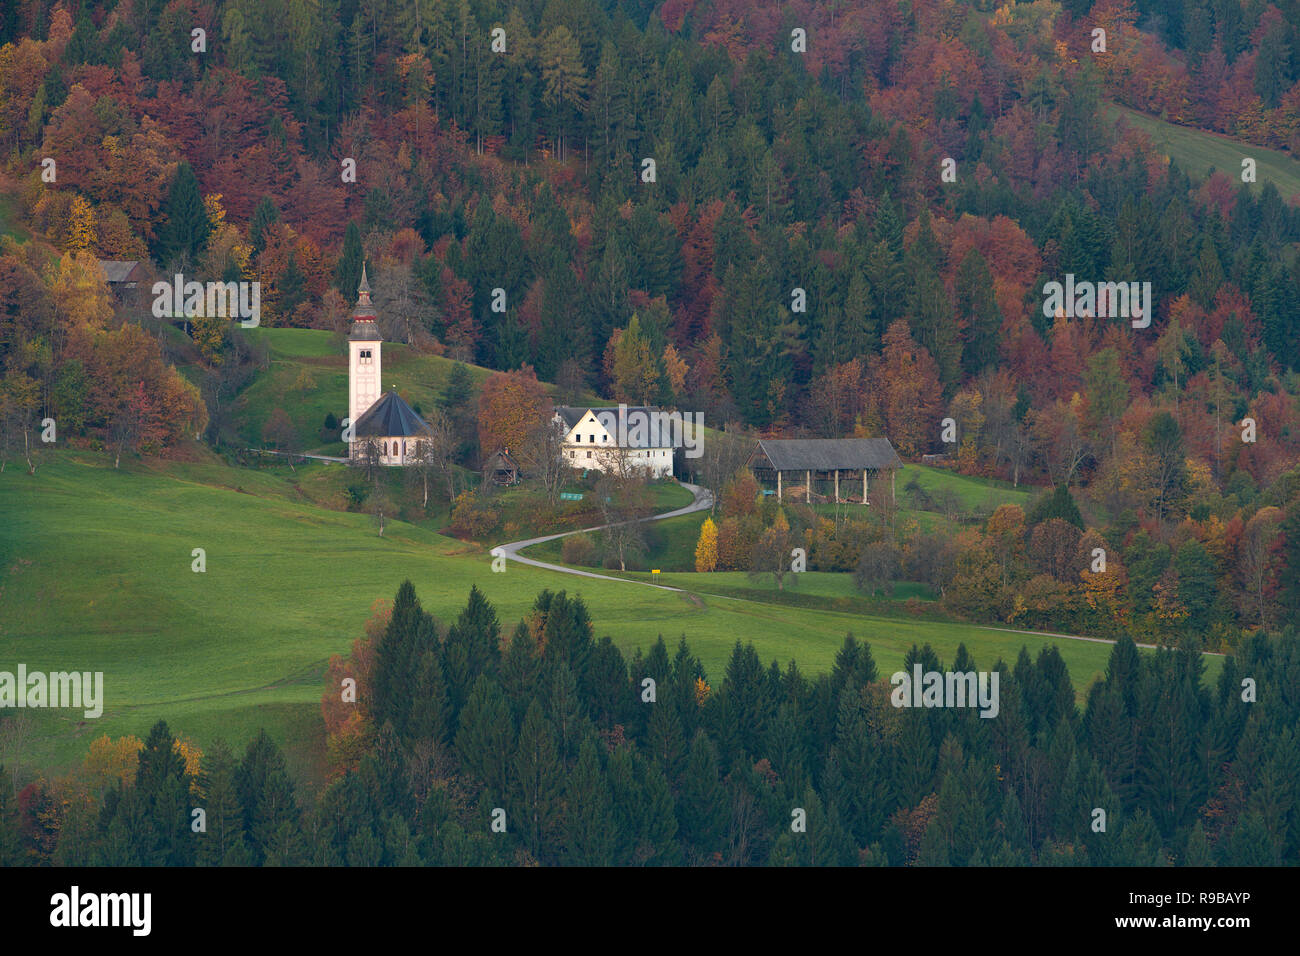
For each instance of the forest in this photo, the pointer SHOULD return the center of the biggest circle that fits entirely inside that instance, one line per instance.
(455, 751)
(738, 208)
(797, 265)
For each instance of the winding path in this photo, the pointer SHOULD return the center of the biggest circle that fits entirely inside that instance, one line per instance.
(703, 499)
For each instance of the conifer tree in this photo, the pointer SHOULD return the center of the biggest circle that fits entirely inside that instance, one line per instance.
(264, 214)
(186, 228)
(486, 737)
(223, 842)
(537, 783)
(588, 824)
(347, 273)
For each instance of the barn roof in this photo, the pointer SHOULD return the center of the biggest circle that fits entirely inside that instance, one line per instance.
(390, 417)
(828, 454)
(116, 271)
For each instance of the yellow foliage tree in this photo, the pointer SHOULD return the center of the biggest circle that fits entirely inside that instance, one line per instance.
(706, 549)
(193, 758)
(81, 295)
(216, 212)
(110, 760)
(81, 226)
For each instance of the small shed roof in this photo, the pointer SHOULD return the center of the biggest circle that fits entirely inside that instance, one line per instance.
(116, 271)
(390, 417)
(828, 454)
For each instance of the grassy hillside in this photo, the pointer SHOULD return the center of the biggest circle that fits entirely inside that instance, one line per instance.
(95, 574)
(308, 378)
(1198, 151)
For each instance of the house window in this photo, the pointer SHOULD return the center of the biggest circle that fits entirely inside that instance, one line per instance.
(578, 439)
(592, 437)
(588, 454)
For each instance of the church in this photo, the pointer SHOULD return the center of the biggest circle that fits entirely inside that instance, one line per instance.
(384, 428)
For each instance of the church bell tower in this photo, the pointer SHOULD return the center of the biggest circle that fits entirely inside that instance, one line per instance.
(363, 354)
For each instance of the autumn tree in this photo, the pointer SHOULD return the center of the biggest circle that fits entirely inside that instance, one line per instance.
(542, 454)
(635, 373)
(772, 553)
(510, 407)
(706, 548)
(905, 382)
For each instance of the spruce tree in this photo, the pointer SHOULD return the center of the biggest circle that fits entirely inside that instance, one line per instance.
(185, 228)
(486, 737)
(264, 215)
(223, 843)
(347, 273)
(537, 780)
(702, 803)
(588, 823)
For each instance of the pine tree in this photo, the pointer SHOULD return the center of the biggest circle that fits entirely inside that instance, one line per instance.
(223, 843)
(537, 782)
(977, 314)
(186, 228)
(588, 824)
(702, 803)
(659, 846)
(486, 736)
(264, 214)
(347, 273)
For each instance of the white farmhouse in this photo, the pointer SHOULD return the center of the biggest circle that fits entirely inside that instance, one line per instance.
(592, 439)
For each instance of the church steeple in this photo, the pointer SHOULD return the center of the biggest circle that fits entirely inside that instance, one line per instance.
(364, 359)
(365, 309)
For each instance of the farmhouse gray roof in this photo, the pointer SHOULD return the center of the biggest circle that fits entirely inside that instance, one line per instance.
(390, 417)
(572, 414)
(828, 454)
(643, 436)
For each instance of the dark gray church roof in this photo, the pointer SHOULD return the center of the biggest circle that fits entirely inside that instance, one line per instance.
(390, 417)
(828, 454)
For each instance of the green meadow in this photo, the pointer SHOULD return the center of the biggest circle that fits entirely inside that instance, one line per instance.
(1198, 151)
(308, 378)
(95, 575)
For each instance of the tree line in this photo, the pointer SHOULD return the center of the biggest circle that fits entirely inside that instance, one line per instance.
(555, 735)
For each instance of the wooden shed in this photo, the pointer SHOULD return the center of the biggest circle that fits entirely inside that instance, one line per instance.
(501, 469)
(775, 460)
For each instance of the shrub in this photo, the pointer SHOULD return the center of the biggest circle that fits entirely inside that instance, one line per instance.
(472, 517)
(579, 549)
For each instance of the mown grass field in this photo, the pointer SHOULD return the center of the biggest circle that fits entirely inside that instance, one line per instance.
(1198, 151)
(95, 574)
